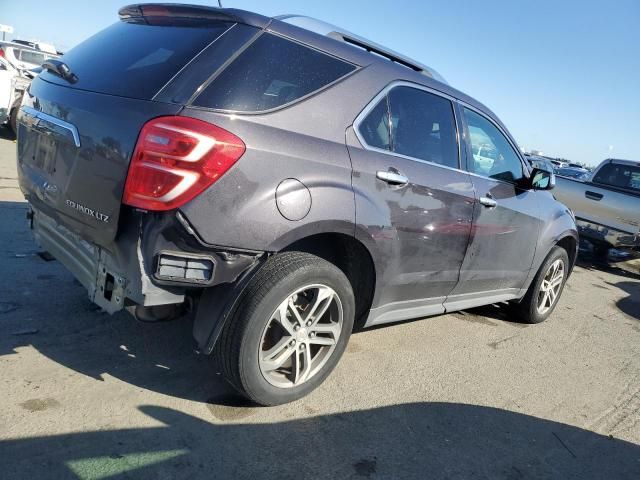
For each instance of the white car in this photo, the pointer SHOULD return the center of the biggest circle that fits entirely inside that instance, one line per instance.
(7, 75)
(22, 56)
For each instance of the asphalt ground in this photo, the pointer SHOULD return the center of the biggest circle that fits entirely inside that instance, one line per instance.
(467, 395)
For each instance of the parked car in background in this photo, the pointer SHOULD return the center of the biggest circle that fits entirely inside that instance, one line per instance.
(13, 83)
(43, 47)
(21, 82)
(572, 172)
(558, 163)
(24, 57)
(606, 204)
(576, 165)
(540, 162)
(287, 178)
(7, 75)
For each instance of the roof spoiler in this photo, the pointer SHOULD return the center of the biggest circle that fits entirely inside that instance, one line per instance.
(337, 33)
(191, 12)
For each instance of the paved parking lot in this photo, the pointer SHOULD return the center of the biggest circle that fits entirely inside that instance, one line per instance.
(469, 395)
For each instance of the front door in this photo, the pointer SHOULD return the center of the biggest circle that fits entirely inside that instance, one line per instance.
(506, 222)
(412, 198)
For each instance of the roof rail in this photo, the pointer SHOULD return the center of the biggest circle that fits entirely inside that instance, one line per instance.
(337, 33)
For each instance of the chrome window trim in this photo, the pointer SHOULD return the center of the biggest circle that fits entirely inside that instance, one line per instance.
(32, 112)
(383, 93)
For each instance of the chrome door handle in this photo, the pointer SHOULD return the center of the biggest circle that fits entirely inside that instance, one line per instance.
(392, 178)
(488, 202)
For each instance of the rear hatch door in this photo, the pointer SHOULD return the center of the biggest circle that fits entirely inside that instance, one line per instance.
(75, 139)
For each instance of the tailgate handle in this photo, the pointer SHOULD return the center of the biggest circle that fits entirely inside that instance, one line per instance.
(52, 125)
(593, 195)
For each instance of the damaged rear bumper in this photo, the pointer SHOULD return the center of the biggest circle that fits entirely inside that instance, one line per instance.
(154, 261)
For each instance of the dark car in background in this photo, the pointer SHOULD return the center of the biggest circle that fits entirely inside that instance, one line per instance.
(286, 179)
(573, 172)
(542, 163)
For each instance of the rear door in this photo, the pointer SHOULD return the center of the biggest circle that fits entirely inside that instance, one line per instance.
(506, 222)
(412, 197)
(75, 139)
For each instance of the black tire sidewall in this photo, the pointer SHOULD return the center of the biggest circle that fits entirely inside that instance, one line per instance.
(13, 121)
(531, 300)
(253, 382)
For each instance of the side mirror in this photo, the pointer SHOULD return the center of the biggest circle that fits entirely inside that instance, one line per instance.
(542, 179)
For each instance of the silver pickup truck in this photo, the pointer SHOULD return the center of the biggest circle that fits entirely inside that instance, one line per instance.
(606, 205)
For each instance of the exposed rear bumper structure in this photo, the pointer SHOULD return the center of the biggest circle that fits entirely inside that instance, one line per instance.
(109, 280)
(152, 263)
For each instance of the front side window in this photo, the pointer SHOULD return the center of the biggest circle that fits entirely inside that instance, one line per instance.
(619, 176)
(415, 123)
(492, 154)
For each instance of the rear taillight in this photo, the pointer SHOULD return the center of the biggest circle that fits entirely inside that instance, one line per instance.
(2, 55)
(175, 159)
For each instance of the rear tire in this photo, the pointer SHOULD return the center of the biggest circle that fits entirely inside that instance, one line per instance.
(13, 115)
(264, 329)
(545, 290)
(13, 121)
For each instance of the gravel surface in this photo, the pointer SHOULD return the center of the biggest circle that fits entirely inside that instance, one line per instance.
(466, 395)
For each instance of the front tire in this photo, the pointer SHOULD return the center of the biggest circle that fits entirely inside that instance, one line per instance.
(290, 329)
(545, 290)
(13, 115)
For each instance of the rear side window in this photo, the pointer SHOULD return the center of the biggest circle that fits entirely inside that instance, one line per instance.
(414, 123)
(134, 59)
(619, 176)
(271, 72)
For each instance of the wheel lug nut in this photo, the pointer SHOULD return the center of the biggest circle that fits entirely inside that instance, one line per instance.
(296, 328)
(312, 334)
(292, 343)
(309, 323)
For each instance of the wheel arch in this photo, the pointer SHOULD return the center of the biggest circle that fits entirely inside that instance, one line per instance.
(337, 246)
(352, 257)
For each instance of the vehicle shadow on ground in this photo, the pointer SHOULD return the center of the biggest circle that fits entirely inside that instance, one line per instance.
(43, 307)
(611, 264)
(419, 440)
(629, 305)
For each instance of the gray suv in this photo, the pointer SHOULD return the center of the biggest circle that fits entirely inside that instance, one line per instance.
(286, 181)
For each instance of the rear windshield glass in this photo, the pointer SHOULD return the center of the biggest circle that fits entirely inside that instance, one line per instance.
(271, 72)
(135, 60)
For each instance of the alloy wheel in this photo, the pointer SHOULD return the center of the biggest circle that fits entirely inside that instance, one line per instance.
(550, 287)
(300, 336)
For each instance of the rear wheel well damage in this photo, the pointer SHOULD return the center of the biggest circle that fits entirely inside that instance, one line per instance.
(350, 256)
(216, 304)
